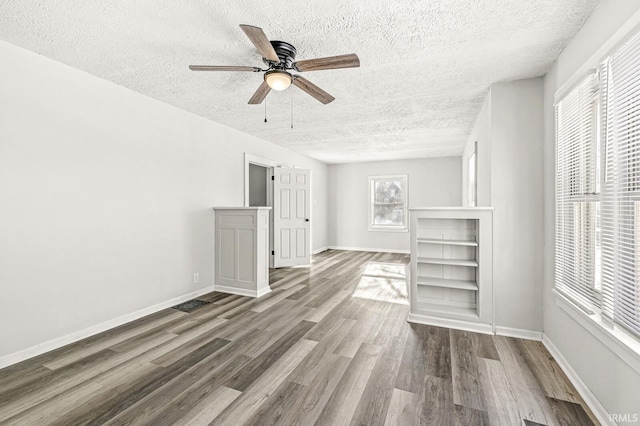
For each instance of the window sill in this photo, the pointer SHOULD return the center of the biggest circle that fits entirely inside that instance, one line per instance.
(617, 340)
(381, 229)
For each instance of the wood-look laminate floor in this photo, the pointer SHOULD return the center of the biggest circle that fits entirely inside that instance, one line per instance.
(329, 345)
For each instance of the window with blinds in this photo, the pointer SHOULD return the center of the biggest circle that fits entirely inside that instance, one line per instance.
(578, 194)
(621, 195)
(598, 190)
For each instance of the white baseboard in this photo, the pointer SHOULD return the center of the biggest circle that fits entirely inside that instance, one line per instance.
(519, 333)
(241, 291)
(320, 250)
(380, 250)
(598, 410)
(59, 342)
(451, 323)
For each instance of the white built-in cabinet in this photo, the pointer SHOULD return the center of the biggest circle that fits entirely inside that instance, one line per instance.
(242, 250)
(451, 279)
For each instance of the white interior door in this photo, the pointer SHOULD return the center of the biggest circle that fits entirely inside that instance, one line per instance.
(291, 221)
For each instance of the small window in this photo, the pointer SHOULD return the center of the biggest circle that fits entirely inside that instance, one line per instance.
(388, 203)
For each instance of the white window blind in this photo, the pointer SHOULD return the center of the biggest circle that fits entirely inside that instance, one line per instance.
(621, 191)
(598, 196)
(577, 194)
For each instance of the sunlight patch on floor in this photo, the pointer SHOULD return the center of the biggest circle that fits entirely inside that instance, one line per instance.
(385, 282)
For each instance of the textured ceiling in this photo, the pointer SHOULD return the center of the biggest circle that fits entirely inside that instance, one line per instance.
(425, 65)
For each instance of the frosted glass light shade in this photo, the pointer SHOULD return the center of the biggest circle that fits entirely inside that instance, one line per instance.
(278, 80)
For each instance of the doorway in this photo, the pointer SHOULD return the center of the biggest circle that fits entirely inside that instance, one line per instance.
(258, 189)
(287, 191)
(258, 186)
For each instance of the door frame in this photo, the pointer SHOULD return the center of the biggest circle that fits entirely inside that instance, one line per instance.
(258, 161)
(270, 165)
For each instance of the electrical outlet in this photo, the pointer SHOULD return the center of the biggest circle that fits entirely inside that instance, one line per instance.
(196, 277)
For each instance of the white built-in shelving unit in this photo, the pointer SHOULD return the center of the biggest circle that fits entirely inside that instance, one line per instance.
(451, 279)
(242, 250)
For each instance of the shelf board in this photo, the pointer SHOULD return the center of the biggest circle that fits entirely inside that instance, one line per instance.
(454, 262)
(432, 308)
(448, 242)
(447, 283)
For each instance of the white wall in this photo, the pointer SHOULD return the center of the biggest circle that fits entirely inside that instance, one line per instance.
(431, 181)
(509, 132)
(516, 196)
(106, 198)
(613, 382)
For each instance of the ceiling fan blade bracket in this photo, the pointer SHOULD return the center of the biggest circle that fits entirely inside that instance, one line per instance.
(271, 64)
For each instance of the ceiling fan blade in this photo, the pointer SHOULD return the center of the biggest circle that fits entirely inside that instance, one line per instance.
(312, 89)
(222, 68)
(260, 94)
(261, 42)
(332, 62)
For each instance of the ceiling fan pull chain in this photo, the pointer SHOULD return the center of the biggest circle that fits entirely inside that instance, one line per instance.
(291, 108)
(265, 110)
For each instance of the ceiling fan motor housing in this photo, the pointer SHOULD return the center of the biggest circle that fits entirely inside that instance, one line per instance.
(285, 51)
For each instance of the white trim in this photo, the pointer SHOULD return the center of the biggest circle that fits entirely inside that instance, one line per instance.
(451, 323)
(519, 333)
(320, 250)
(241, 291)
(594, 61)
(448, 210)
(269, 165)
(258, 161)
(617, 341)
(594, 404)
(381, 250)
(382, 228)
(266, 162)
(59, 342)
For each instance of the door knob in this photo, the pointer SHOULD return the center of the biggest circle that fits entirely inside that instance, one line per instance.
(306, 220)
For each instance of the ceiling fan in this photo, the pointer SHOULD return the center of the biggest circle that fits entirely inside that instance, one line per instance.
(279, 57)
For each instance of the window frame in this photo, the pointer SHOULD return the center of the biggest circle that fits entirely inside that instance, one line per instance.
(405, 203)
(613, 336)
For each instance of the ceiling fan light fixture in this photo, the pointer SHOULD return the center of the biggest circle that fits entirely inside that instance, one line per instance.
(278, 79)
